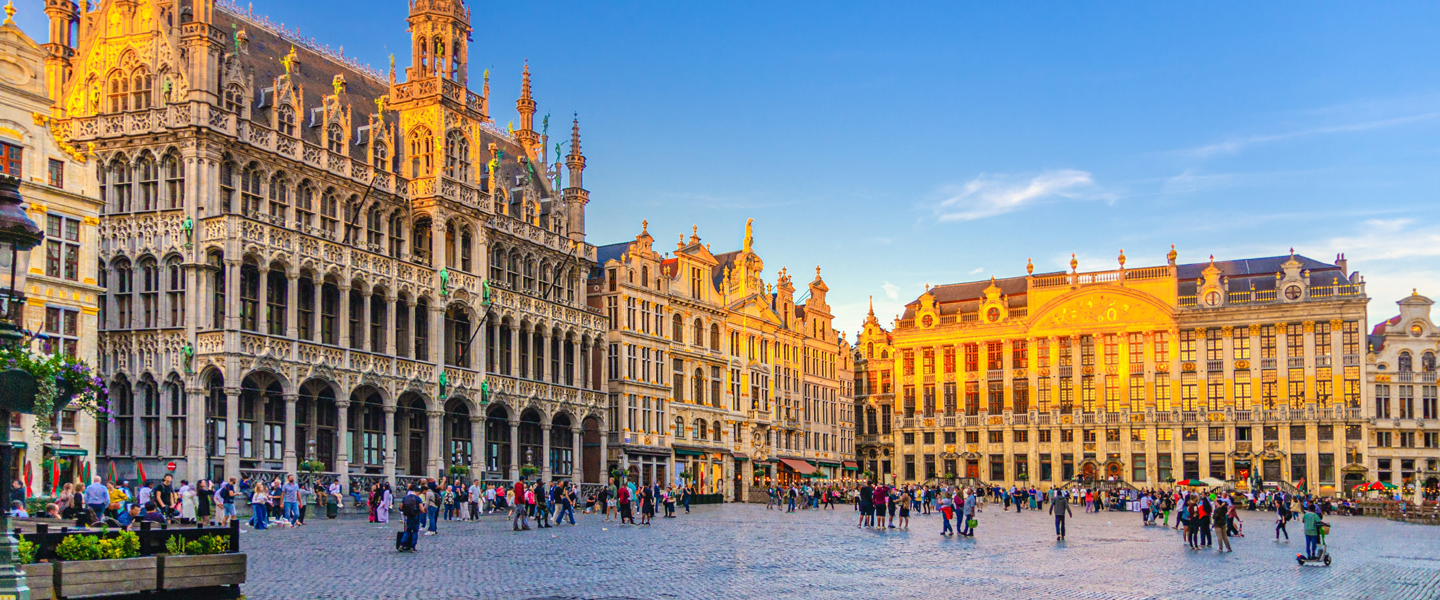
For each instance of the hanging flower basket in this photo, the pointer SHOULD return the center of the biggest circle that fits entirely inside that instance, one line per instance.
(58, 381)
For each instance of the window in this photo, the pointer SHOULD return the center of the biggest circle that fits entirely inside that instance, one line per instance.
(421, 146)
(1267, 341)
(174, 176)
(57, 173)
(250, 189)
(279, 198)
(457, 155)
(1187, 346)
(119, 92)
(1382, 401)
(62, 247)
(234, 99)
(10, 162)
(62, 331)
(1242, 390)
(1162, 347)
(1019, 354)
(335, 138)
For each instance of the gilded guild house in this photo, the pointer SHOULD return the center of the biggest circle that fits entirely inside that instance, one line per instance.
(1246, 371)
(310, 260)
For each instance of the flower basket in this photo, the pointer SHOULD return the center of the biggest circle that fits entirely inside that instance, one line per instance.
(459, 470)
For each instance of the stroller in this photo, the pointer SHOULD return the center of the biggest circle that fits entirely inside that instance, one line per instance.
(1322, 554)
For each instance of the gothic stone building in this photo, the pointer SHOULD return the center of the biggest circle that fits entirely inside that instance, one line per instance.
(1246, 371)
(714, 373)
(299, 251)
(1405, 442)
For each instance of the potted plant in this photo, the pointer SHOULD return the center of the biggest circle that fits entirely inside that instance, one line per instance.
(203, 562)
(685, 475)
(1022, 476)
(528, 470)
(459, 470)
(40, 576)
(618, 474)
(60, 381)
(949, 476)
(311, 466)
(91, 565)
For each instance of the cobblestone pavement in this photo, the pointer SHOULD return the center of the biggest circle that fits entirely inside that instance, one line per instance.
(744, 551)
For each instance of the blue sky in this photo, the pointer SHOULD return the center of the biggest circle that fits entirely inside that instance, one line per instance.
(904, 144)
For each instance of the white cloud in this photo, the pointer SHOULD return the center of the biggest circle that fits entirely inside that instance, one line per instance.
(977, 270)
(991, 195)
(1238, 144)
(892, 291)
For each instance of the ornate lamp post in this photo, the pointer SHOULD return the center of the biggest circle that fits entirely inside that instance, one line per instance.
(18, 235)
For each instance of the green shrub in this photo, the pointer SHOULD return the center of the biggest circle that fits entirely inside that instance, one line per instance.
(210, 544)
(90, 547)
(27, 551)
(35, 505)
(175, 545)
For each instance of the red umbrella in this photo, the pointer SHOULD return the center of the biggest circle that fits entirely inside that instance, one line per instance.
(28, 493)
(139, 473)
(1376, 486)
(110, 472)
(55, 478)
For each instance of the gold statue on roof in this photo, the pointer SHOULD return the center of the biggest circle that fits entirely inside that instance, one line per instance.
(749, 234)
(288, 61)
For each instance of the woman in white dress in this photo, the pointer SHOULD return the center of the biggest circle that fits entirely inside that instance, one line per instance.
(187, 503)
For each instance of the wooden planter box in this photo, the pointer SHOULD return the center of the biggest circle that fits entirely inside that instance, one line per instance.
(41, 579)
(120, 576)
(179, 572)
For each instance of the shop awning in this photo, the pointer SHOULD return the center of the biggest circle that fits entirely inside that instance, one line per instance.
(688, 452)
(741, 456)
(69, 452)
(827, 463)
(851, 466)
(800, 466)
(19, 445)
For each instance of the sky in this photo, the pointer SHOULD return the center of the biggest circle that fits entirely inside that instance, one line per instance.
(905, 144)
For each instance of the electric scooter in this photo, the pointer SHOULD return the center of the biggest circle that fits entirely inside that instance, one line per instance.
(1322, 554)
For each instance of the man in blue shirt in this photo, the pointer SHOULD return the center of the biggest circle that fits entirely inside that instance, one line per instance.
(290, 499)
(97, 497)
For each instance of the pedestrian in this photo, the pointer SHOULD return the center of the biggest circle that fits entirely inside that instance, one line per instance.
(906, 500)
(1282, 518)
(432, 508)
(1222, 528)
(947, 508)
(967, 513)
(623, 499)
(382, 509)
(97, 497)
(865, 504)
(1313, 523)
(520, 521)
(410, 508)
(259, 508)
(1060, 507)
(542, 507)
(290, 498)
(566, 502)
(685, 497)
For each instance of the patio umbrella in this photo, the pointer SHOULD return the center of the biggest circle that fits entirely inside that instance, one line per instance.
(1387, 485)
(55, 475)
(1191, 483)
(28, 477)
(1212, 482)
(139, 473)
(110, 472)
(1375, 486)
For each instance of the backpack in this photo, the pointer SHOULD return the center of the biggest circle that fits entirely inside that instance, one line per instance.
(410, 505)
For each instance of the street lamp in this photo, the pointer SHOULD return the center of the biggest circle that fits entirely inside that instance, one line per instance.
(18, 235)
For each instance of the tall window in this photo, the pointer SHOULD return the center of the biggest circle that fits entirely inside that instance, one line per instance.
(150, 292)
(119, 92)
(124, 286)
(250, 190)
(174, 175)
(62, 331)
(305, 206)
(149, 183)
(330, 214)
(62, 247)
(335, 138)
(285, 119)
(381, 154)
(10, 162)
(119, 185)
(175, 292)
(227, 187)
(279, 198)
(141, 84)
(422, 144)
(457, 155)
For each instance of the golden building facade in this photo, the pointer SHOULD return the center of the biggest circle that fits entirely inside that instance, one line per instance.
(306, 258)
(1246, 371)
(715, 373)
(58, 185)
(1405, 405)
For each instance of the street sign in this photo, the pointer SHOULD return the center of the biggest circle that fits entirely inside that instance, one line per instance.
(170, 466)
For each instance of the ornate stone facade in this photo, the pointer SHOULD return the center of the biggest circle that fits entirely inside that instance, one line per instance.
(1244, 371)
(1405, 407)
(715, 373)
(57, 183)
(302, 253)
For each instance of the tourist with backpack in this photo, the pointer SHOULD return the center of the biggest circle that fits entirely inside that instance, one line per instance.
(410, 508)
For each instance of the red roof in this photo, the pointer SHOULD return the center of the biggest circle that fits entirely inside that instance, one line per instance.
(1379, 328)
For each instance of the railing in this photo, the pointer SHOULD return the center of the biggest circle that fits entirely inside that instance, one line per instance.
(1214, 366)
(1267, 363)
(1295, 362)
(1020, 419)
(152, 538)
(1322, 361)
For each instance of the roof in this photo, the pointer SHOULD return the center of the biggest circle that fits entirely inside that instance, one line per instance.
(1244, 267)
(1379, 328)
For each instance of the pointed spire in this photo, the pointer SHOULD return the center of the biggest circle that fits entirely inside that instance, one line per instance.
(872, 307)
(575, 161)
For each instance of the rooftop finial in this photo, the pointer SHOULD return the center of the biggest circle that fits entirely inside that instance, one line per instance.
(1073, 263)
(9, 13)
(1029, 267)
(1122, 258)
(1170, 258)
(644, 227)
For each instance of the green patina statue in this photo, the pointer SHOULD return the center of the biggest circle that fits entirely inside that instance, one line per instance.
(485, 292)
(189, 352)
(444, 282)
(444, 384)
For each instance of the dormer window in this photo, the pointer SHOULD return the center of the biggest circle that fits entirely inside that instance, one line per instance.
(335, 138)
(234, 99)
(285, 120)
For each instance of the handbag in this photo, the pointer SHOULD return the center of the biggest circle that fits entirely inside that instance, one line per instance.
(972, 523)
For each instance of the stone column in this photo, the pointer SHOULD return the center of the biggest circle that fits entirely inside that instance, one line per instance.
(195, 459)
(342, 458)
(575, 375)
(436, 322)
(262, 294)
(514, 446)
(387, 328)
(434, 463)
(232, 297)
(232, 431)
(343, 319)
(290, 450)
(577, 455)
(477, 446)
(390, 442)
(545, 473)
(543, 370)
(365, 318)
(604, 453)
(292, 305)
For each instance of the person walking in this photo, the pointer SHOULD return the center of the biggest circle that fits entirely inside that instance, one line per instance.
(432, 508)
(410, 508)
(865, 503)
(259, 508)
(566, 502)
(1060, 507)
(290, 499)
(1222, 527)
(97, 497)
(967, 513)
(685, 494)
(520, 521)
(1282, 518)
(382, 510)
(947, 508)
(623, 499)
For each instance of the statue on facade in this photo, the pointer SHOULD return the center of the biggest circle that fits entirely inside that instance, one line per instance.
(749, 234)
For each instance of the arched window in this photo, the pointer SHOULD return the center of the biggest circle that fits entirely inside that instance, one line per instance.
(250, 189)
(175, 291)
(335, 138)
(124, 288)
(373, 233)
(227, 186)
(715, 431)
(715, 337)
(140, 88)
(381, 154)
(457, 155)
(330, 214)
(679, 428)
(149, 293)
(465, 242)
(174, 176)
(701, 430)
(497, 264)
(149, 177)
(529, 273)
(1403, 363)
(513, 269)
(422, 144)
(697, 335)
(119, 185)
(677, 329)
(285, 119)
(279, 198)
(698, 386)
(457, 334)
(119, 92)
(1427, 362)
(420, 240)
(305, 206)
(234, 99)
(397, 234)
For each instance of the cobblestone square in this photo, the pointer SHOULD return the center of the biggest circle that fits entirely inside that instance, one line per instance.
(746, 551)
